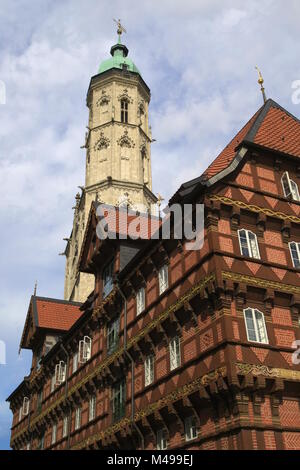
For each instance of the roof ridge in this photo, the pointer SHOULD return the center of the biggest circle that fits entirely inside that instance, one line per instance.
(59, 301)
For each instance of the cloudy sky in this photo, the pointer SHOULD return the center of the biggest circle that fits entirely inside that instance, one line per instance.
(198, 58)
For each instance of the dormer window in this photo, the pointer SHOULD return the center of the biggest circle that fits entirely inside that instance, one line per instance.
(248, 244)
(124, 111)
(290, 188)
(107, 278)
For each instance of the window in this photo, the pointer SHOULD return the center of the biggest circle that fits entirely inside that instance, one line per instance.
(25, 407)
(248, 244)
(149, 370)
(41, 442)
(65, 426)
(53, 381)
(75, 362)
(174, 347)
(85, 349)
(124, 111)
(118, 400)
(295, 254)
(28, 446)
(255, 326)
(107, 278)
(163, 279)
(60, 372)
(20, 414)
(290, 188)
(92, 408)
(190, 428)
(140, 300)
(112, 336)
(54, 433)
(77, 418)
(161, 440)
(40, 401)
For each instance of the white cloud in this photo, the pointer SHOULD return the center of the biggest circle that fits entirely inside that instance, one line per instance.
(198, 59)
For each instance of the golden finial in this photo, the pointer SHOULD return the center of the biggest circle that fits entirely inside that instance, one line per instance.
(261, 83)
(120, 29)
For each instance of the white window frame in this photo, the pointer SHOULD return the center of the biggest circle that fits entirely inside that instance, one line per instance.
(92, 407)
(297, 266)
(161, 439)
(60, 372)
(163, 278)
(249, 245)
(20, 413)
(75, 362)
(112, 331)
(65, 426)
(140, 301)
(293, 190)
(149, 370)
(25, 406)
(84, 350)
(53, 382)
(190, 428)
(28, 446)
(175, 353)
(257, 328)
(54, 434)
(78, 418)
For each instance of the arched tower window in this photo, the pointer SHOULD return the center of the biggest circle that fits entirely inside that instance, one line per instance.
(124, 111)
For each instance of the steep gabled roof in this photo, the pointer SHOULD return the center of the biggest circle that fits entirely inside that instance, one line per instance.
(49, 314)
(272, 127)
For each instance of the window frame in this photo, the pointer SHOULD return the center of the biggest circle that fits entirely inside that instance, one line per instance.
(118, 393)
(256, 328)
(92, 408)
(163, 285)
(140, 302)
(297, 244)
(249, 247)
(108, 279)
(77, 423)
(190, 425)
(75, 362)
(54, 434)
(161, 438)
(149, 370)
(177, 350)
(124, 110)
(113, 327)
(292, 189)
(65, 426)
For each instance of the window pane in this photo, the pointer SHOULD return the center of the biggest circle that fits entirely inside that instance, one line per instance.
(295, 250)
(253, 245)
(262, 334)
(286, 185)
(295, 191)
(250, 325)
(244, 243)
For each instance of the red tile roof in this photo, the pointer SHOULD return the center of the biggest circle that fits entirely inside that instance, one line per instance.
(56, 314)
(271, 127)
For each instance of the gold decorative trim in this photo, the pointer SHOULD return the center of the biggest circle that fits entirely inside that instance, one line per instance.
(109, 360)
(170, 398)
(258, 282)
(254, 208)
(271, 372)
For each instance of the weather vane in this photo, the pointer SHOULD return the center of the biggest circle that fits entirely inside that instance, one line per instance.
(120, 29)
(261, 83)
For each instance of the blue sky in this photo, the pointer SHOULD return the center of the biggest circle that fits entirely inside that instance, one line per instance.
(198, 58)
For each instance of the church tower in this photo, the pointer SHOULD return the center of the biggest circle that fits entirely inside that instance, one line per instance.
(118, 154)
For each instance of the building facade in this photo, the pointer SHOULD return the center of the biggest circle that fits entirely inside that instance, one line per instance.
(177, 348)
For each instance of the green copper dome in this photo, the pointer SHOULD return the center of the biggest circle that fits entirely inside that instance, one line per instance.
(119, 60)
